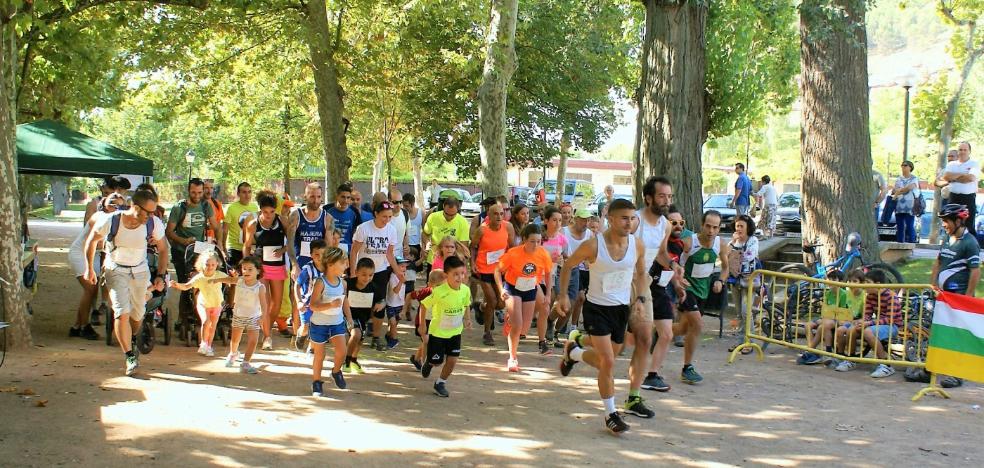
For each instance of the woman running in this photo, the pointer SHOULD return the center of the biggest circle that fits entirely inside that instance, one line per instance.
(488, 245)
(519, 219)
(556, 244)
(520, 270)
(267, 234)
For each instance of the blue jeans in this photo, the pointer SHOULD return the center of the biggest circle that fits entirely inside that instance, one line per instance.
(905, 227)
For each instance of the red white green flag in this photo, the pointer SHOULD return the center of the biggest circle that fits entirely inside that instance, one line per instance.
(956, 340)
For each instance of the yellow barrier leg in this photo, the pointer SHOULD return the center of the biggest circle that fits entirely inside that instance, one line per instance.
(747, 344)
(932, 388)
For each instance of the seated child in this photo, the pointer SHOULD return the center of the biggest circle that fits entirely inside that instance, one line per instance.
(881, 321)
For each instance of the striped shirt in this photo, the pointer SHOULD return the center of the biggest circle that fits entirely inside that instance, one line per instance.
(883, 308)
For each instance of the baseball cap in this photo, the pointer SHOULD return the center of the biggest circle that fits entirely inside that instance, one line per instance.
(448, 193)
(402, 261)
(582, 213)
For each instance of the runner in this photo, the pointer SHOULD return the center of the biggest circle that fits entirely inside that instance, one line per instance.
(76, 259)
(491, 242)
(606, 310)
(186, 225)
(212, 235)
(566, 214)
(576, 234)
(268, 235)
(652, 232)
(520, 217)
(665, 287)
(360, 302)
(329, 319)
(400, 221)
(415, 226)
(236, 215)
(377, 241)
(521, 269)
(128, 234)
(555, 243)
(448, 304)
(310, 223)
(447, 222)
(701, 251)
(345, 216)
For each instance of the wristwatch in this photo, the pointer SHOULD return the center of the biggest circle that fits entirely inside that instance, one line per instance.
(641, 299)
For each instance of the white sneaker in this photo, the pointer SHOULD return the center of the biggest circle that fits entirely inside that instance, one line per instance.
(267, 344)
(512, 365)
(209, 351)
(202, 348)
(845, 366)
(231, 359)
(882, 371)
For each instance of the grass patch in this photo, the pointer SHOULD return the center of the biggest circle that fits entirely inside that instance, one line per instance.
(47, 212)
(918, 271)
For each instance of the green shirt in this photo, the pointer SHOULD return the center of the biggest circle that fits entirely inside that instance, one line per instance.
(856, 304)
(195, 219)
(699, 267)
(234, 222)
(448, 307)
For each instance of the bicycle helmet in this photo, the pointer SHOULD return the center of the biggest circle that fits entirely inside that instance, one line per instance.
(853, 242)
(954, 211)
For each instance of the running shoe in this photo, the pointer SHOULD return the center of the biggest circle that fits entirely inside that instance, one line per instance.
(231, 359)
(500, 316)
(544, 349)
(392, 342)
(247, 368)
(512, 365)
(678, 341)
(441, 390)
(845, 366)
(74, 332)
(339, 380)
(522, 336)
(425, 370)
(356, 367)
(202, 348)
(286, 333)
(267, 344)
(415, 362)
(690, 375)
(566, 363)
(575, 336)
(882, 371)
(487, 339)
(89, 333)
(635, 406)
(346, 368)
(132, 363)
(832, 363)
(317, 388)
(655, 382)
(209, 352)
(615, 424)
(808, 359)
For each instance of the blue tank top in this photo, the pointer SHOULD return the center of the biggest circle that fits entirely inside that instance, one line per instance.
(330, 292)
(307, 232)
(345, 221)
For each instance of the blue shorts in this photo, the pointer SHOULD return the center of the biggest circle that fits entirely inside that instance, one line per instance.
(320, 334)
(525, 296)
(572, 285)
(394, 312)
(884, 332)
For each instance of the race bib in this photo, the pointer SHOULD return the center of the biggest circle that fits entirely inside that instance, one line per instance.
(305, 249)
(665, 277)
(702, 270)
(493, 257)
(270, 254)
(526, 283)
(450, 322)
(616, 281)
(360, 300)
(203, 247)
(650, 256)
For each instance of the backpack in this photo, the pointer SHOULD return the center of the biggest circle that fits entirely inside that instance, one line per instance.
(114, 229)
(918, 205)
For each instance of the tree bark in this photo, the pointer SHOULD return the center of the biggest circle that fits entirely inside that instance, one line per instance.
(418, 182)
(946, 132)
(565, 147)
(11, 284)
(500, 63)
(328, 91)
(673, 120)
(835, 146)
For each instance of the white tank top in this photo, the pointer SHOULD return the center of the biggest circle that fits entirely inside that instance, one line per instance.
(611, 280)
(248, 300)
(574, 242)
(651, 237)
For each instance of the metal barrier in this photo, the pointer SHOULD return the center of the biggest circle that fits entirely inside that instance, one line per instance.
(793, 310)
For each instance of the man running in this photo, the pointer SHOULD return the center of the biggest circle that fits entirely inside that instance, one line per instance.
(447, 222)
(666, 276)
(490, 243)
(700, 252)
(616, 260)
(186, 225)
(345, 216)
(127, 235)
(236, 215)
(310, 223)
(576, 234)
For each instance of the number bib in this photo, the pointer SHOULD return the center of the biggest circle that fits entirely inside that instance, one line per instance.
(451, 322)
(360, 300)
(526, 283)
(702, 270)
(202, 247)
(616, 281)
(492, 258)
(305, 249)
(270, 254)
(665, 277)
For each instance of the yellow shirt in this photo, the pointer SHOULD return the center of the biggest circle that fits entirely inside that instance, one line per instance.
(209, 293)
(447, 307)
(234, 239)
(438, 227)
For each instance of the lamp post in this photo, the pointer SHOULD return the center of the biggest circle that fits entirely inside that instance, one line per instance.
(190, 159)
(905, 136)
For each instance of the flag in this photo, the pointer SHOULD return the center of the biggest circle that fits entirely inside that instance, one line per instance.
(956, 340)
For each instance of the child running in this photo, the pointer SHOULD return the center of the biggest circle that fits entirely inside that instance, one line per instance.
(209, 304)
(395, 299)
(447, 248)
(423, 319)
(251, 304)
(360, 306)
(329, 318)
(520, 270)
(302, 287)
(448, 303)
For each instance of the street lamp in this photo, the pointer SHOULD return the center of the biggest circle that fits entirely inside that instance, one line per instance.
(190, 159)
(907, 84)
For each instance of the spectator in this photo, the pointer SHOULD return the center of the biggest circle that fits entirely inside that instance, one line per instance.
(881, 189)
(962, 176)
(904, 194)
(769, 202)
(942, 183)
(212, 198)
(603, 204)
(881, 321)
(742, 201)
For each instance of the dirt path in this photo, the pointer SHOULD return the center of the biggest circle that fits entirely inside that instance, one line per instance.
(188, 410)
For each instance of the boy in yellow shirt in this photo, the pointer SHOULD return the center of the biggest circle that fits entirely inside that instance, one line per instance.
(448, 304)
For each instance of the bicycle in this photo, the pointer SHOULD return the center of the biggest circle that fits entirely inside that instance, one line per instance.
(851, 259)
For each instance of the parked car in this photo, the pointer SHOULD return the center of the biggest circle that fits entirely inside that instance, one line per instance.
(518, 194)
(719, 202)
(887, 230)
(789, 212)
(572, 188)
(593, 207)
(471, 206)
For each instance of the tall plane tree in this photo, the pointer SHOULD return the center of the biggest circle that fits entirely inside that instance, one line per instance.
(500, 63)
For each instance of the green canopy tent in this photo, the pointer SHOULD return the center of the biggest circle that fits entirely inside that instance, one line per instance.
(47, 147)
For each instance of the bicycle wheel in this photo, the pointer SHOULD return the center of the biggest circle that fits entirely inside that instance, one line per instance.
(891, 273)
(796, 269)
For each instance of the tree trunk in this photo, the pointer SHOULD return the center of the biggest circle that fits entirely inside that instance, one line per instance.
(329, 92)
(11, 284)
(946, 132)
(835, 146)
(418, 182)
(673, 111)
(500, 63)
(565, 147)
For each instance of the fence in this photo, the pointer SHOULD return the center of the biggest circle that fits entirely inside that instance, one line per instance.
(809, 314)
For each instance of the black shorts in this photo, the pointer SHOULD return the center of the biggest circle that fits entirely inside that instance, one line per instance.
(600, 320)
(662, 304)
(235, 256)
(380, 281)
(485, 277)
(437, 348)
(360, 319)
(692, 303)
(583, 278)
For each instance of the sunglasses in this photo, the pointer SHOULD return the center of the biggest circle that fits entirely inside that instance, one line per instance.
(676, 223)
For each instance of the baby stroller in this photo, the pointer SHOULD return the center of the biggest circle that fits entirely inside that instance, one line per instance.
(156, 314)
(188, 321)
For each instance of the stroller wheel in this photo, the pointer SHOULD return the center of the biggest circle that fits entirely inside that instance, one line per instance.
(145, 340)
(165, 324)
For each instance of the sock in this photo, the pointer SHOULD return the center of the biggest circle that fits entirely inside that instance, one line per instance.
(440, 380)
(652, 375)
(633, 393)
(130, 354)
(348, 360)
(609, 405)
(576, 354)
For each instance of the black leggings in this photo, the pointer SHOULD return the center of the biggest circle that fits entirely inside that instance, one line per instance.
(970, 201)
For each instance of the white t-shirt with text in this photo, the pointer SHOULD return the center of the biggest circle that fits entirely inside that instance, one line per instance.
(375, 242)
